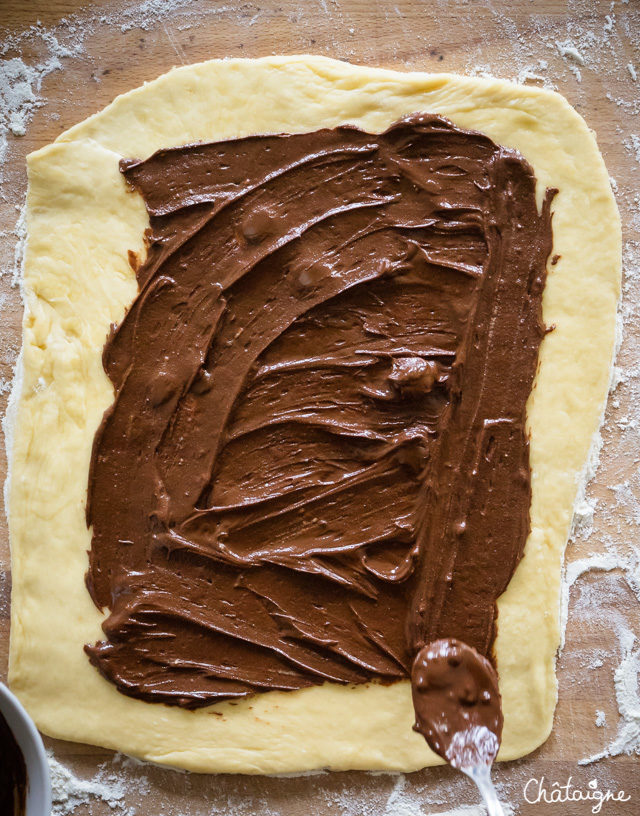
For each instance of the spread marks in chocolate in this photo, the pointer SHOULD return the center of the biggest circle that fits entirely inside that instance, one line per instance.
(316, 459)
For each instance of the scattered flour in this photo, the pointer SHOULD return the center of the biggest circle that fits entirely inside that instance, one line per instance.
(145, 15)
(17, 94)
(403, 803)
(21, 83)
(633, 146)
(20, 234)
(407, 799)
(627, 740)
(573, 571)
(69, 792)
(569, 52)
(108, 786)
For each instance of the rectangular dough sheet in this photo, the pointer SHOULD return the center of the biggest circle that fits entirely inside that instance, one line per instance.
(82, 221)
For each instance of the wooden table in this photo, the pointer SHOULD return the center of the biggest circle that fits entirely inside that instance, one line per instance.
(507, 38)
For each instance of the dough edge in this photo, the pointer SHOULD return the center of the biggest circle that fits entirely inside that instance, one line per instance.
(77, 280)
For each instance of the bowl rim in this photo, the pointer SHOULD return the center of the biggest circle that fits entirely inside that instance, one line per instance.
(30, 742)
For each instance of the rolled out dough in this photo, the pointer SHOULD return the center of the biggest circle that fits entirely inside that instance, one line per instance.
(77, 281)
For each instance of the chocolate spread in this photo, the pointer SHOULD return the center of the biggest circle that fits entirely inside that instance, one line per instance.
(13, 773)
(457, 703)
(316, 459)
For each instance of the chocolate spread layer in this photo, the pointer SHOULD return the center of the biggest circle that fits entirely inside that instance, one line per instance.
(13, 773)
(457, 703)
(316, 459)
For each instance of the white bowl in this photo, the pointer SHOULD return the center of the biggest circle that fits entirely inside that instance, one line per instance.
(30, 742)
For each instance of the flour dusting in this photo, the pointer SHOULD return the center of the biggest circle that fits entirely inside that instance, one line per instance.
(605, 562)
(68, 792)
(21, 82)
(627, 740)
(403, 802)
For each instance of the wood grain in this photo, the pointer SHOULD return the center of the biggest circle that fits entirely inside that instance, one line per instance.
(118, 54)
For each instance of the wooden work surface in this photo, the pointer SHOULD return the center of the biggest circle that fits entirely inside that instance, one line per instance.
(506, 38)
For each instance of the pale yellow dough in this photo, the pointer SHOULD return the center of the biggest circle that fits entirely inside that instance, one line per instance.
(77, 281)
